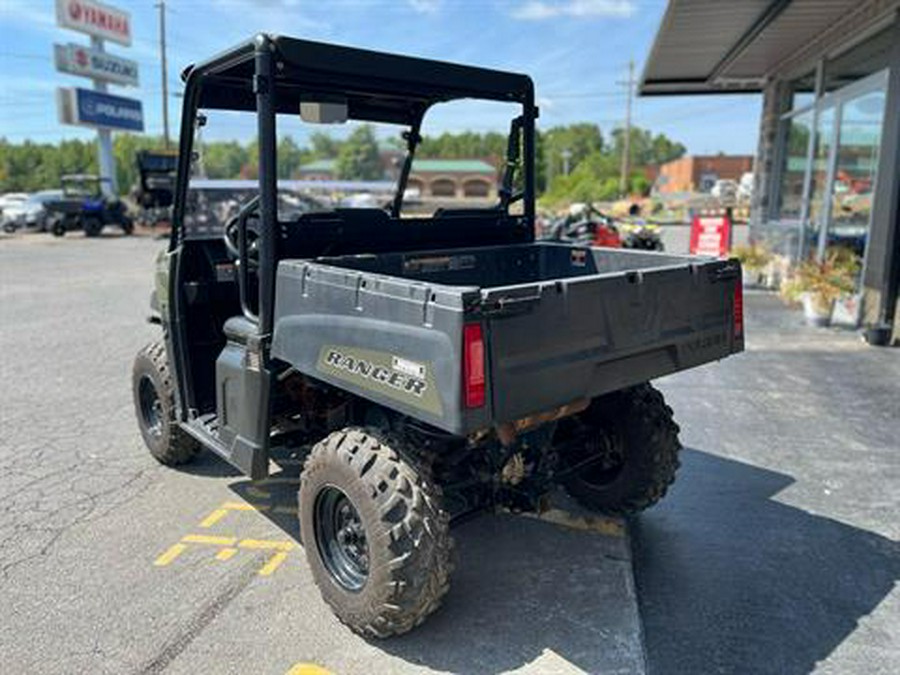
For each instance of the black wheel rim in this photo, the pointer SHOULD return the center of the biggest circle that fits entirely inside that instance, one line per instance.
(594, 455)
(341, 539)
(151, 407)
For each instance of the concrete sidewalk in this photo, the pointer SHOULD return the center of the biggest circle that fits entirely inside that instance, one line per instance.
(777, 549)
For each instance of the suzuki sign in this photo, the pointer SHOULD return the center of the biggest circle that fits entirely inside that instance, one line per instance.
(95, 18)
(89, 108)
(78, 60)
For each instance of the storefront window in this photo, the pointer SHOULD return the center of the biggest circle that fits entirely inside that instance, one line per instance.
(866, 58)
(855, 168)
(823, 142)
(803, 91)
(793, 169)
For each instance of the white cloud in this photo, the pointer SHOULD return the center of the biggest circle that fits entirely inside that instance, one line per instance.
(539, 10)
(425, 6)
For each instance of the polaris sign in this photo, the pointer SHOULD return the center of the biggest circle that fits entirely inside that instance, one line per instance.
(89, 108)
(78, 60)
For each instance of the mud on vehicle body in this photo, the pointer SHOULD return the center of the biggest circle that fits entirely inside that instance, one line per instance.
(436, 366)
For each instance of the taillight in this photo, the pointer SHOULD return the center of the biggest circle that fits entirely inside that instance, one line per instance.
(473, 365)
(738, 309)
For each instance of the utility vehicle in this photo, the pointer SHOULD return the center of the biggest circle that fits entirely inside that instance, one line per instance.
(155, 185)
(439, 365)
(83, 206)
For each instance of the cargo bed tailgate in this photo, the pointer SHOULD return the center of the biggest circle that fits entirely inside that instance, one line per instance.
(554, 342)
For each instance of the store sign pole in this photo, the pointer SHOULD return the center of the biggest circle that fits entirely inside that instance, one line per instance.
(102, 23)
(104, 136)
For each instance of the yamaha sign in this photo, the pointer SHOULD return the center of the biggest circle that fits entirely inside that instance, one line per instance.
(78, 60)
(86, 107)
(96, 19)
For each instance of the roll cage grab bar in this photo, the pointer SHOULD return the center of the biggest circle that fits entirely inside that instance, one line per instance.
(452, 82)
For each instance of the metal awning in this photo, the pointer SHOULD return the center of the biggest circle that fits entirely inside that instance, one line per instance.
(715, 47)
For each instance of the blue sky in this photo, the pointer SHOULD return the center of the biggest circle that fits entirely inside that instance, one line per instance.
(576, 51)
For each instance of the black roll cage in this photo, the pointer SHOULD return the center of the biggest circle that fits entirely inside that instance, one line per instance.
(271, 74)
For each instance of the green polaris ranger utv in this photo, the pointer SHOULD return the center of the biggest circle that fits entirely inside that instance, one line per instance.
(437, 366)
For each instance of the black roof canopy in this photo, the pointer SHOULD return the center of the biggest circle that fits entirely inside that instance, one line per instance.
(379, 87)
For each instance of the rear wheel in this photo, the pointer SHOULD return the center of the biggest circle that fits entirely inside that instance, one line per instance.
(154, 404)
(622, 452)
(374, 532)
(58, 227)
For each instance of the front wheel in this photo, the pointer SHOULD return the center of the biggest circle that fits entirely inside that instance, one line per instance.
(92, 226)
(621, 454)
(154, 405)
(374, 532)
(58, 227)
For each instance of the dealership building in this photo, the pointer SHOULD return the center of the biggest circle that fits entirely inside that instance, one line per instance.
(827, 167)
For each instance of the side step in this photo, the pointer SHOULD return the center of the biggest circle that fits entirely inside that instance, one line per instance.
(250, 460)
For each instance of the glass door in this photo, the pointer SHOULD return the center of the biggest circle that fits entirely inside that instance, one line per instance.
(849, 209)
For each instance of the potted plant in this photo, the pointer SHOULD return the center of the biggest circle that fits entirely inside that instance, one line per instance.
(754, 260)
(820, 283)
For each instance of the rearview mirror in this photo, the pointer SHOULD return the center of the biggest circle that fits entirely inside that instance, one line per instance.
(323, 112)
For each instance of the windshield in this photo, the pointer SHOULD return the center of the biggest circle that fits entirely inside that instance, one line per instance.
(349, 166)
(354, 165)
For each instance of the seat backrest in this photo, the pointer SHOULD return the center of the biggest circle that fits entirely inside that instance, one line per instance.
(353, 231)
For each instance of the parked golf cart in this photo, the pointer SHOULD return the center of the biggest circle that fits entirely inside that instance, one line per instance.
(83, 206)
(156, 182)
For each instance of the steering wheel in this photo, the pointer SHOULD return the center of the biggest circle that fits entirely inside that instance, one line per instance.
(235, 225)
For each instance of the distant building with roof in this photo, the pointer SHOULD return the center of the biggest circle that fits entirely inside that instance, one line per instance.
(431, 178)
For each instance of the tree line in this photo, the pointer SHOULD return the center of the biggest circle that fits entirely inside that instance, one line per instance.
(574, 162)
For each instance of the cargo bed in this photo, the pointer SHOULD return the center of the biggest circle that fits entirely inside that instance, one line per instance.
(560, 323)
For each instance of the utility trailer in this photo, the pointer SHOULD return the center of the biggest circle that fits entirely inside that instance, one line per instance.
(432, 367)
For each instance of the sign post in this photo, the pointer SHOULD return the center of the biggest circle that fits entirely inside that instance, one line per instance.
(102, 111)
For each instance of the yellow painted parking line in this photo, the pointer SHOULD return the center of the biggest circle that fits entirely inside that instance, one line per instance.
(257, 493)
(266, 544)
(208, 539)
(273, 564)
(606, 526)
(170, 555)
(289, 510)
(213, 518)
(307, 669)
(244, 506)
(278, 480)
(226, 554)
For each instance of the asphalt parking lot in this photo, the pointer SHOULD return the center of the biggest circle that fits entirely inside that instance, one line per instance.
(776, 551)
(111, 563)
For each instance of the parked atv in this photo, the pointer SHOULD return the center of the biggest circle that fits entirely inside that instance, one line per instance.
(588, 226)
(641, 235)
(83, 206)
